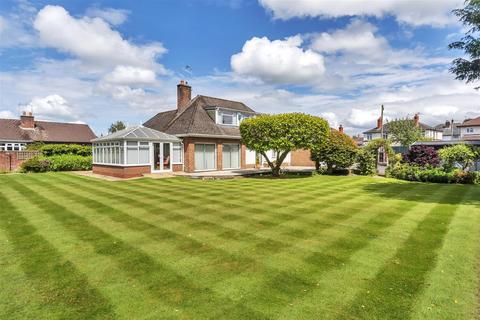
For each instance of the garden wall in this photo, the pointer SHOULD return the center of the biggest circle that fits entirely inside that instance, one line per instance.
(11, 160)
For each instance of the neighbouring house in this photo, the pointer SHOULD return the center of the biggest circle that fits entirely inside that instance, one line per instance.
(450, 130)
(16, 134)
(470, 130)
(200, 134)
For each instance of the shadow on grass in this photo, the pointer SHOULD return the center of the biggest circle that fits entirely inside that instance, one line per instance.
(419, 191)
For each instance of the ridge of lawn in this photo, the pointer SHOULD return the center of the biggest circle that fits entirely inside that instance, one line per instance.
(73, 247)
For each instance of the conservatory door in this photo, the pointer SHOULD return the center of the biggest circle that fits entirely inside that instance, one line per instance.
(161, 156)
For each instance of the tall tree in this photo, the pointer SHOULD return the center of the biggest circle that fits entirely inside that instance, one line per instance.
(468, 69)
(404, 131)
(116, 126)
(282, 133)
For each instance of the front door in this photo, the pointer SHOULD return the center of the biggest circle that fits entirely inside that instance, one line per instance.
(161, 156)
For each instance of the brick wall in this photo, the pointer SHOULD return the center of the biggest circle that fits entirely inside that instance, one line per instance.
(189, 152)
(121, 172)
(12, 160)
(301, 158)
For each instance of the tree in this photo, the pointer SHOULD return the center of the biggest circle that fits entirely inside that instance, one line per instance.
(116, 126)
(468, 69)
(423, 156)
(282, 133)
(459, 153)
(338, 151)
(404, 131)
(367, 156)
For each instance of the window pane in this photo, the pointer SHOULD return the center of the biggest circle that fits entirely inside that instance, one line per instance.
(177, 153)
(121, 155)
(132, 155)
(132, 143)
(209, 156)
(144, 155)
(199, 157)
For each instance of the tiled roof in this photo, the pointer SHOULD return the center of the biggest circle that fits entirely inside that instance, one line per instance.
(447, 131)
(195, 121)
(46, 131)
(471, 122)
(137, 133)
(423, 126)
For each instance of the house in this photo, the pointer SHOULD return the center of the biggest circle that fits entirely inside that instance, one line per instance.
(470, 130)
(429, 132)
(200, 134)
(16, 134)
(450, 130)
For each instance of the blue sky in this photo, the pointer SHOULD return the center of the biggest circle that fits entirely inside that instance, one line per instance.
(101, 61)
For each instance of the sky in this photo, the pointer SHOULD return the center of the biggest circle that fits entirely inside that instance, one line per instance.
(101, 61)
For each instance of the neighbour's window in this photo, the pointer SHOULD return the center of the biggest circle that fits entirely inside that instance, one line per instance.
(12, 146)
(177, 153)
(469, 130)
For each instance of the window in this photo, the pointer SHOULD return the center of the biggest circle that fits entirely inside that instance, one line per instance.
(369, 136)
(108, 152)
(469, 130)
(231, 156)
(6, 146)
(205, 157)
(227, 118)
(177, 156)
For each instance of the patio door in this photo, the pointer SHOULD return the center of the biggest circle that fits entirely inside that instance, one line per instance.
(161, 156)
(231, 156)
(204, 157)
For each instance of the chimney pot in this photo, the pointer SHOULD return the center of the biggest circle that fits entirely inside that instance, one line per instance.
(340, 128)
(184, 95)
(416, 119)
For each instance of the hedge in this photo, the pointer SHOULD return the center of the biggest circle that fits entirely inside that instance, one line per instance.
(62, 162)
(58, 149)
(429, 174)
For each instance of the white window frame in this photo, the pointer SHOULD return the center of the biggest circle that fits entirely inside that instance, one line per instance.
(12, 146)
(470, 130)
(239, 155)
(181, 152)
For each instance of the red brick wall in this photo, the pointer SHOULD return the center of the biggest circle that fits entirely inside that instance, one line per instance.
(12, 160)
(189, 152)
(121, 172)
(301, 158)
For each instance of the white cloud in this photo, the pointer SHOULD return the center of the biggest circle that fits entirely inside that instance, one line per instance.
(93, 40)
(278, 61)
(52, 107)
(126, 75)
(412, 12)
(331, 118)
(111, 15)
(441, 110)
(363, 118)
(7, 114)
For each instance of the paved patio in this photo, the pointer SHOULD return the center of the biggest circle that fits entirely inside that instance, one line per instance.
(230, 174)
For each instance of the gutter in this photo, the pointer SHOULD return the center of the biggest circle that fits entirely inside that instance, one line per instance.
(194, 135)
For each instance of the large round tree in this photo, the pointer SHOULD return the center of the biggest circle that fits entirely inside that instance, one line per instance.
(338, 151)
(282, 133)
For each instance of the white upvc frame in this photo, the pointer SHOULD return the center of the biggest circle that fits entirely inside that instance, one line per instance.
(181, 153)
(215, 156)
(160, 154)
(239, 155)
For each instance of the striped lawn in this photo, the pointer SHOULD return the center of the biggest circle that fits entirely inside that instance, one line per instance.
(321, 247)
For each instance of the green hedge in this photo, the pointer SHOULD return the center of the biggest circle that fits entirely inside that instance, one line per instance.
(429, 174)
(62, 162)
(58, 149)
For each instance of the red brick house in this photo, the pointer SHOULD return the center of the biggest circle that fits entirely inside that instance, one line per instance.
(201, 134)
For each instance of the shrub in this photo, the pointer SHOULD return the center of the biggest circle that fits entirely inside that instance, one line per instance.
(459, 153)
(409, 172)
(58, 149)
(36, 164)
(338, 152)
(367, 162)
(423, 156)
(70, 162)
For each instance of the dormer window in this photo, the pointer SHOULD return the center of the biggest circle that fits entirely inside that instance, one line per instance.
(227, 118)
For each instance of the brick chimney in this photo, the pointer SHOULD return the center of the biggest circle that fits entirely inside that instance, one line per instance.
(184, 95)
(27, 120)
(416, 119)
(340, 128)
(379, 123)
(447, 124)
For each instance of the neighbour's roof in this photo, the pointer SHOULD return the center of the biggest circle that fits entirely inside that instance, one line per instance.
(137, 133)
(195, 121)
(471, 122)
(45, 131)
(447, 142)
(423, 126)
(448, 130)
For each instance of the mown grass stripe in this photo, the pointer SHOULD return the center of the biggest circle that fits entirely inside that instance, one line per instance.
(167, 285)
(391, 294)
(64, 290)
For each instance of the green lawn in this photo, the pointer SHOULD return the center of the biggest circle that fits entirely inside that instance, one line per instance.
(321, 247)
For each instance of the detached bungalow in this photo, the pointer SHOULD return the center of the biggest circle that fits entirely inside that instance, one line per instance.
(201, 134)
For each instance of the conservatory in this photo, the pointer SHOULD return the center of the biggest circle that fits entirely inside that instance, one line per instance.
(135, 151)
